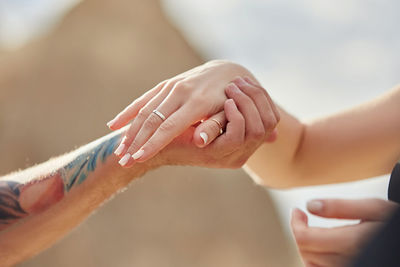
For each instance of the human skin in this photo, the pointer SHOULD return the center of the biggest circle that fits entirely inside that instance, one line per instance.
(184, 100)
(354, 144)
(336, 247)
(40, 205)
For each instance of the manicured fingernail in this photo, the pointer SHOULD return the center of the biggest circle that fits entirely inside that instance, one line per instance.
(124, 159)
(119, 149)
(293, 211)
(315, 206)
(204, 136)
(110, 123)
(138, 154)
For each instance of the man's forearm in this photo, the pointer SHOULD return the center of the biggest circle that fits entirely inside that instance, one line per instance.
(40, 205)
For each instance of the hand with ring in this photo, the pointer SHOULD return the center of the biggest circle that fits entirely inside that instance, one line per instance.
(167, 110)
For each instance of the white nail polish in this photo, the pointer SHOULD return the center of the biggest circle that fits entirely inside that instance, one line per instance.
(119, 150)
(138, 154)
(204, 136)
(110, 123)
(124, 159)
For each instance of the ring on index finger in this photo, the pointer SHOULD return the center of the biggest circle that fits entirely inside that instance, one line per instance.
(159, 114)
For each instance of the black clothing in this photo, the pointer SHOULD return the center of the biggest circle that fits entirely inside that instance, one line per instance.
(383, 250)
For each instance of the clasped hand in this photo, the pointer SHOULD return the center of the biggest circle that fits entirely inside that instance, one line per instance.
(199, 102)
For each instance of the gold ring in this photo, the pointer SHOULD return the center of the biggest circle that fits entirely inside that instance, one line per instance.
(221, 131)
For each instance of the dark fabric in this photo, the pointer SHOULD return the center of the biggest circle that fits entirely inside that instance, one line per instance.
(394, 184)
(383, 250)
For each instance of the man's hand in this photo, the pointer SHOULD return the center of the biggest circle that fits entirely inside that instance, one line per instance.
(336, 247)
(250, 120)
(180, 102)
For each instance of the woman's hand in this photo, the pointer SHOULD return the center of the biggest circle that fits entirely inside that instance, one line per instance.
(246, 130)
(326, 247)
(183, 100)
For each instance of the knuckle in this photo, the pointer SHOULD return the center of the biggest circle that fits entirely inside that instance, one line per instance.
(256, 93)
(270, 123)
(167, 126)
(167, 87)
(143, 113)
(257, 133)
(151, 122)
(181, 87)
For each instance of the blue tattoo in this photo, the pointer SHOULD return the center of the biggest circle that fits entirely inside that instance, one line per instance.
(87, 162)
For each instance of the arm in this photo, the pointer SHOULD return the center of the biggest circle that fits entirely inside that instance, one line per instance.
(355, 144)
(40, 205)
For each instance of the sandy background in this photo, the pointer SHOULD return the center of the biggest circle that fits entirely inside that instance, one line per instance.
(56, 93)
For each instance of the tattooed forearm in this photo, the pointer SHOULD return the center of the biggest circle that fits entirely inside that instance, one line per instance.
(10, 210)
(18, 200)
(78, 170)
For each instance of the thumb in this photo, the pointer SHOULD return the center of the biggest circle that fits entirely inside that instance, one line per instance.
(209, 129)
(298, 223)
(371, 209)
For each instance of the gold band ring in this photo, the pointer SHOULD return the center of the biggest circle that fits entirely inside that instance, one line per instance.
(221, 131)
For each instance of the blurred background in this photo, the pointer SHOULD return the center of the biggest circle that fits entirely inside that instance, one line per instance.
(68, 66)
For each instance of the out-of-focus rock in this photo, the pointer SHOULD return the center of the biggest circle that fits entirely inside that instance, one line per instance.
(59, 91)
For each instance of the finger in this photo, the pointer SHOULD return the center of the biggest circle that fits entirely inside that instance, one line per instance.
(358, 209)
(254, 127)
(155, 119)
(307, 238)
(344, 239)
(132, 110)
(235, 132)
(271, 102)
(209, 129)
(172, 127)
(261, 101)
(324, 259)
(137, 123)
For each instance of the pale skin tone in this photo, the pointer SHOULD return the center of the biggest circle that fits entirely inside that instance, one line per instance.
(40, 205)
(332, 247)
(355, 144)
